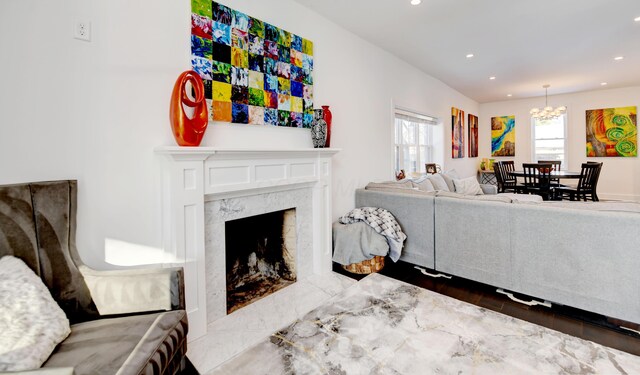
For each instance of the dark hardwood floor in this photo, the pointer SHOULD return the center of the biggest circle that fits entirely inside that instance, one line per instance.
(575, 322)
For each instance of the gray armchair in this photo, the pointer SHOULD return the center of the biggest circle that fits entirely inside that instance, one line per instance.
(122, 321)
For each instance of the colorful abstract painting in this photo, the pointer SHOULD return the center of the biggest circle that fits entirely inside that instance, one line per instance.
(612, 132)
(457, 133)
(473, 136)
(253, 72)
(503, 136)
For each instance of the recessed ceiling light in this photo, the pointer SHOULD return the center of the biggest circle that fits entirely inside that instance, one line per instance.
(415, 2)
(509, 95)
(470, 55)
(637, 19)
(618, 58)
(603, 83)
(492, 78)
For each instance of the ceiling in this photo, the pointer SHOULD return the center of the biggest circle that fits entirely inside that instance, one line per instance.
(569, 44)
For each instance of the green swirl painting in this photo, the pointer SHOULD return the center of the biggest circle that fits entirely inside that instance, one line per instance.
(612, 132)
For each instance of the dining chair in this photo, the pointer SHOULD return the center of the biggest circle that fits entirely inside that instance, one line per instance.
(510, 165)
(506, 183)
(537, 180)
(557, 165)
(587, 184)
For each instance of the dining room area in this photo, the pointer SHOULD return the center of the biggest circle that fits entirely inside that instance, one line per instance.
(549, 180)
(592, 130)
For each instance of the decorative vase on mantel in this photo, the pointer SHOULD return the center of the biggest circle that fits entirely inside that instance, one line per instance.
(188, 130)
(327, 116)
(318, 129)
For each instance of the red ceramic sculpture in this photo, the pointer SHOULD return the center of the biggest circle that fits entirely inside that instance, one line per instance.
(188, 131)
(328, 116)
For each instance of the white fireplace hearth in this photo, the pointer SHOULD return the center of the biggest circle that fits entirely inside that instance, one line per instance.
(204, 186)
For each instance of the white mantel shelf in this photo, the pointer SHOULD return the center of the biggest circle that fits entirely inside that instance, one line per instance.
(203, 153)
(238, 171)
(193, 176)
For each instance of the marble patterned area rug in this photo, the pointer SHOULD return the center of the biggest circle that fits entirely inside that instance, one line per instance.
(384, 326)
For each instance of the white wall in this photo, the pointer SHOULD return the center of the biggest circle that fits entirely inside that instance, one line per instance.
(95, 111)
(620, 177)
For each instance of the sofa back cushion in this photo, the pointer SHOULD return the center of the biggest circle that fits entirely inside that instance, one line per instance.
(486, 198)
(403, 184)
(424, 184)
(37, 225)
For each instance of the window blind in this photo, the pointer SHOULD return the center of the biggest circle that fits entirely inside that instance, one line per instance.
(416, 117)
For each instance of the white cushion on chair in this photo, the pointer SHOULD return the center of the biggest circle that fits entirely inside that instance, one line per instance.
(31, 322)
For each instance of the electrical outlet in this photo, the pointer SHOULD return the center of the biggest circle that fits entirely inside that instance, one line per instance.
(82, 31)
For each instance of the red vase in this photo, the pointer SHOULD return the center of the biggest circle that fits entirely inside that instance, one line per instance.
(327, 116)
(188, 131)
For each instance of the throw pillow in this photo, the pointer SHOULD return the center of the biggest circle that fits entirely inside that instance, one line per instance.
(448, 177)
(468, 186)
(424, 185)
(31, 322)
(438, 182)
(452, 173)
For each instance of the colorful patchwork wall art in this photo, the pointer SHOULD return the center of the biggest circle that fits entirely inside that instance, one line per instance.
(457, 133)
(473, 136)
(253, 72)
(503, 136)
(612, 132)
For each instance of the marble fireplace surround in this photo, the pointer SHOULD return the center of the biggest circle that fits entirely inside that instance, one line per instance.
(218, 212)
(203, 185)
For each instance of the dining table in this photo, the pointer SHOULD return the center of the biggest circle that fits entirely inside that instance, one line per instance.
(553, 174)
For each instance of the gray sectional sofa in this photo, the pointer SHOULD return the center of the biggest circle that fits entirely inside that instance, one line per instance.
(580, 254)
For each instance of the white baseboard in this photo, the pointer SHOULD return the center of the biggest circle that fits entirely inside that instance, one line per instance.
(619, 197)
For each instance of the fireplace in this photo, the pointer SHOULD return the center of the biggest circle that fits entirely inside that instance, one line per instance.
(289, 212)
(205, 187)
(260, 256)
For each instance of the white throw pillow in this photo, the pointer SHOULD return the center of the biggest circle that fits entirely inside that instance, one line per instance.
(438, 182)
(468, 186)
(31, 322)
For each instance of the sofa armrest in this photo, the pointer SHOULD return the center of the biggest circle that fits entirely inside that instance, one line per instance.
(43, 371)
(489, 189)
(135, 290)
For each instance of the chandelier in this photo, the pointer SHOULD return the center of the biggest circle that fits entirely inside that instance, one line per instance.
(547, 113)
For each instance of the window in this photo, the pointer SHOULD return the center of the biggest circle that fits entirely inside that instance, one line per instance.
(550, 137)
(413, 141)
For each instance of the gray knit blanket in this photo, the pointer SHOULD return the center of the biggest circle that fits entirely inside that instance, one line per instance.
(383, 222)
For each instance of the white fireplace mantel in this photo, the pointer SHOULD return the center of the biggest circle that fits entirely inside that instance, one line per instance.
(194, 175)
